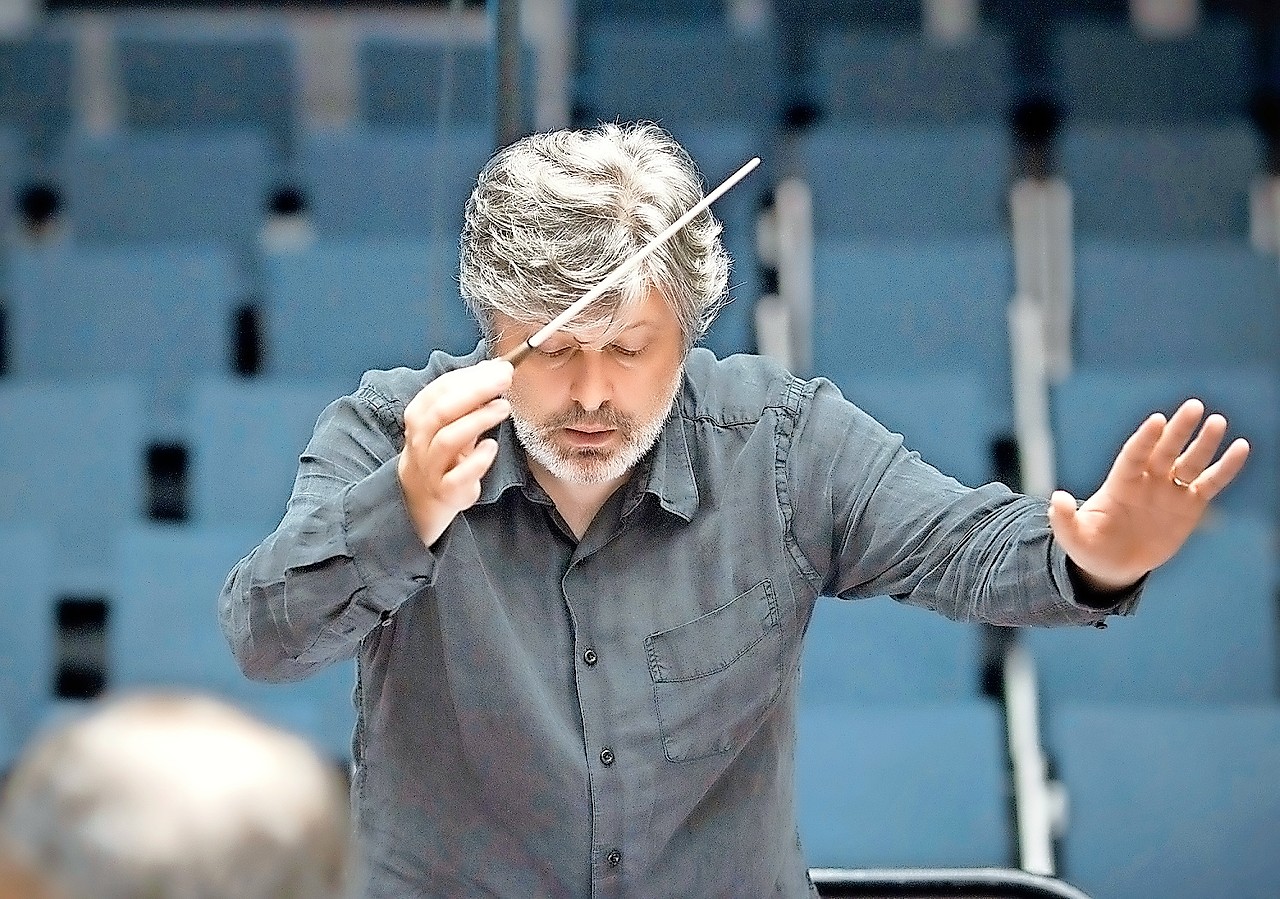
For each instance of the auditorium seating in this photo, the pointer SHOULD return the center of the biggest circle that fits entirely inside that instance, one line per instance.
(902, 785)
(1172, 802)
(899, 77)
(866, 652)
(933, 306)
(677, 74)
(204, 78)
(128, 188)
(390, 184)
(411, 80)
(1205, 631)
(72, 460)
(1175, 303)
(12, 163)
(907, 183)
(246, 439)
(155, 312)
(338, 308)
(1169, 183)
(1107, 72)
(163, 632)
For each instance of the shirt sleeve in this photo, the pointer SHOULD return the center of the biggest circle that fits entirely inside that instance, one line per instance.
(881, 521)
(344, 557)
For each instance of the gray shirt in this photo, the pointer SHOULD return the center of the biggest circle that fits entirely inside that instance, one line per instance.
(615, 716)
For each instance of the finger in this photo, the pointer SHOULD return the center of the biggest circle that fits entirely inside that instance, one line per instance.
(1218, 475)
(460, 436)
(462, 482)
(1176, 434)
(455, 393)
(1196, 457)
(1132, 460)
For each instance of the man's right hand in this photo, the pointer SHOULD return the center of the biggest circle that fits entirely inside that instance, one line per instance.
(444, 457)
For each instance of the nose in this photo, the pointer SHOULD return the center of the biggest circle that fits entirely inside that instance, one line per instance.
(592, 385)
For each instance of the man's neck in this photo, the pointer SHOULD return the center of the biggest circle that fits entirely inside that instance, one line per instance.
(576, 503)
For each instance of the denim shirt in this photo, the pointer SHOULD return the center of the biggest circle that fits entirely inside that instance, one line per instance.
(545, 717)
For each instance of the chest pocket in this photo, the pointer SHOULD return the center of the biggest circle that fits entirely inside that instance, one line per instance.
(716, 676)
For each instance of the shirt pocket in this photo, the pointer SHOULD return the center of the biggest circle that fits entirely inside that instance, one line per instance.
(716, 676)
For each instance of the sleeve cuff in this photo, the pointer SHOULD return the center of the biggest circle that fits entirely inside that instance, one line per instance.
(386, 550)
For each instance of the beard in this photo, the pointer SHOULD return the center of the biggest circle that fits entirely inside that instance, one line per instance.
(592, 465)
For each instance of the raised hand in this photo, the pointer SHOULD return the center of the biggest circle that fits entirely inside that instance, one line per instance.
(1153, 498)
(445, 454)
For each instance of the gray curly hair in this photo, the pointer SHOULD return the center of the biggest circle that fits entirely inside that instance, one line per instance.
(552, 214)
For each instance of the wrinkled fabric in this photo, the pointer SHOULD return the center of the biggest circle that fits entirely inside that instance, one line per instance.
(614, 717)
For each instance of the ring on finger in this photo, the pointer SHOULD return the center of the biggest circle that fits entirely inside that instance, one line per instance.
(1178, 482)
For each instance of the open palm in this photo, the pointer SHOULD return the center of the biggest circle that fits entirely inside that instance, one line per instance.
(1152, 499)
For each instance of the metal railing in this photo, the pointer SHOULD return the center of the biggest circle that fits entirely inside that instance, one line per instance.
(940, 883)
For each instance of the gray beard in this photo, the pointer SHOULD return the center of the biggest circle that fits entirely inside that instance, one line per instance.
(593, 466)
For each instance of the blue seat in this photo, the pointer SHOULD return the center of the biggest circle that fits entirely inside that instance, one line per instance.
(820, 15)
(1179, 303)
(36, 75)
(908, 785)
(1175, 803)
(903, 77)
(949, 418)
(158, 313)
(868, 652)
(1185, 183)
(337, 309)
(1107, 72)
(937, 306)
(208, 79)
(163, 632)
(401, 185)
(907, 183)
(166, 188)
(72, 458)
(1206, 631)
(246, 438)
(708, 73)
(27, 639)
(403, 79)
(1096, 409)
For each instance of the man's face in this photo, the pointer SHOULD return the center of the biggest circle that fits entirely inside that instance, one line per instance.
(587, 407)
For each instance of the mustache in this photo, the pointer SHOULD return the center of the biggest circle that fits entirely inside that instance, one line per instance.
(577, 417)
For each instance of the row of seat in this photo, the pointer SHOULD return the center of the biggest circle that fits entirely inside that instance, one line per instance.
(1096, 71)
(1165, 801)
(212, 76)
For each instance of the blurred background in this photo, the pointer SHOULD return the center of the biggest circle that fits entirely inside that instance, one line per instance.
(1007, 228)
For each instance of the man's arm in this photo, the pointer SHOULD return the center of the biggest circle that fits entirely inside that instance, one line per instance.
(355, 541)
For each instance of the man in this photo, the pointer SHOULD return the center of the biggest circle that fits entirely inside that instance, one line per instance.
(175, 797)
(578, 635)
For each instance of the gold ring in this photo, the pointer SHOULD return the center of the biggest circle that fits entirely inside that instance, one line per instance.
(1178, 482)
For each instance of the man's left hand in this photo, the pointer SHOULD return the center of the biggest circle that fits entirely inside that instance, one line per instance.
(1153, 498)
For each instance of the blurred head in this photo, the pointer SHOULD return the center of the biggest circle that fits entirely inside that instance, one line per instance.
(553, 213)
(162, 796)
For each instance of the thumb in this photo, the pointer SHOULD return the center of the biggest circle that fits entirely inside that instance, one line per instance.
(1062, 512)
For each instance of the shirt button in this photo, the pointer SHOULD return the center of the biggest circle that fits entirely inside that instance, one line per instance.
(606, 757)
(590, 657)
(384, 619)
(614, 858)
